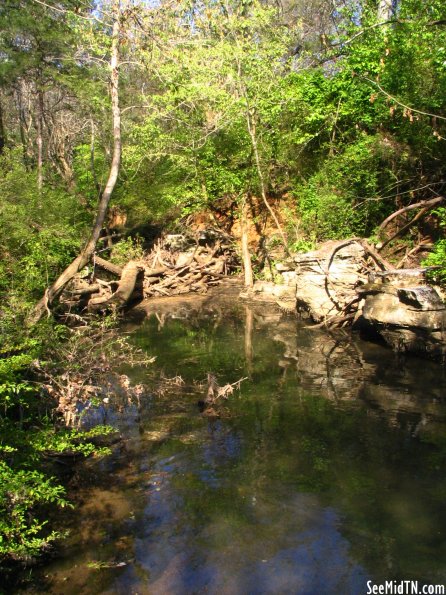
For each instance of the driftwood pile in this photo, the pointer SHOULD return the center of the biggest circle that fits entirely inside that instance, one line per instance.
(176, 265)
(172, 268)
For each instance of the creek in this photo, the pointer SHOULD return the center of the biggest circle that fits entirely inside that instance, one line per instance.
(326, 469)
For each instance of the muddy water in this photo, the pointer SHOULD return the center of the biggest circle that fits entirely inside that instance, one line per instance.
(326, 470)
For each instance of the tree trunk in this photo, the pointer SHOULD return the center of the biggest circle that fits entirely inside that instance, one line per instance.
(2, 130)
(87, 252)
(246, 256)
(39, 139)
(253, 135)
(385, 10)
(22, 126)
(92, 166)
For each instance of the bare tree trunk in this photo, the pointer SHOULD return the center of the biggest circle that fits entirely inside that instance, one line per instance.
(253, 135)
(92, 166)
(84, 256)
(22, 126)
(385, 10)
(2, 129)
(246, 255)
(39, 139)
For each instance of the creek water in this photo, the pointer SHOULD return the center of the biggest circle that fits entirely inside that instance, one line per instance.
(324, 471)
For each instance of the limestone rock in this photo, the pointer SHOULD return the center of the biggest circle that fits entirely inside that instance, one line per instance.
(409, 319)
(326, 284)
(267, 291)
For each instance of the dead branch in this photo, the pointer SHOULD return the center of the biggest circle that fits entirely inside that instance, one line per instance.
(380, 261)
(215, 391)
(332, 321)
(417, 205)
(417, 248)
(107, 266)
(166, 271)
(406, 227)
(89, 289)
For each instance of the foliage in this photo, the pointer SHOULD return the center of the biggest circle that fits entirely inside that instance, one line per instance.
(28, 433)
(438, 259)
(127, 249)
(39, 232)
(339, 200)
(438, 256)
(22, 534)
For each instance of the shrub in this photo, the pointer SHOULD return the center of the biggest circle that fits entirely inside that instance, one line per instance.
(22, 493)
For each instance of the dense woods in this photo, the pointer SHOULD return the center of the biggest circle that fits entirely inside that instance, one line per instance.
(279, 123)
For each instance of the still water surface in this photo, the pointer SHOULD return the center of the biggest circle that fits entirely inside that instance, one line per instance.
(326, 470)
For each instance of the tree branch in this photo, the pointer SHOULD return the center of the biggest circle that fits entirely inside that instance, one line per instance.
(417, 205)
(412, 109)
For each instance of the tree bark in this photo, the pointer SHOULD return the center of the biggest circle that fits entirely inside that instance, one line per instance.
(124, 292)
(385, 10)
(246, 255)
(87, 252)
(24, 137)
(2, 129)
(253, 136)
(108, 266)
(39, 139)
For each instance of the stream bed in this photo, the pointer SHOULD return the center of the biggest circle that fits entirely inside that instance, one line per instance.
(324, 471)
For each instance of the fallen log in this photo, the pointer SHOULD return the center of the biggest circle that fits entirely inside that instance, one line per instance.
(122, 295)
(107, 266)
(155, 272)
(88, 290)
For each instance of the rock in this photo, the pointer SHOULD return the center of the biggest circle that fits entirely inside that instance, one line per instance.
(330, 284)
(267, 291)
(409, 319)
(326, 284)
(284, 266)
(177, 241)
(422, 298)
(401, 277)
(289, 278)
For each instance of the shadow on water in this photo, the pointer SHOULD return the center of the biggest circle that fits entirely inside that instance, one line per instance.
(325, 471)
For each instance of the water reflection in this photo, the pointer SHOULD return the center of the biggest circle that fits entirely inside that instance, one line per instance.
(327, 470)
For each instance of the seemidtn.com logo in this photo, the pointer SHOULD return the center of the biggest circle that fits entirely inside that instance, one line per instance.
(404, 588)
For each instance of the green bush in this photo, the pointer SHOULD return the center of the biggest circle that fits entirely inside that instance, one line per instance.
(342, 198)
(126, 250)
(28, 433)
(22, 492)
(438, 259)
(40, 232)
